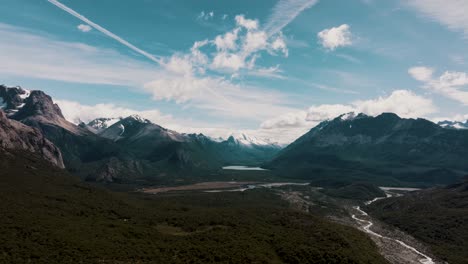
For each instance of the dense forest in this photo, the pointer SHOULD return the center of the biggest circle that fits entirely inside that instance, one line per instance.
(49, 216)
(437, 217)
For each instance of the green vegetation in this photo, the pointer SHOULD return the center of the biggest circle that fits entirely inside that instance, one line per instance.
(355, 191)
(49, 216)
(437, 217)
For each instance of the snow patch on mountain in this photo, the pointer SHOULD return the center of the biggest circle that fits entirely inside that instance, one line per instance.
(24, 94)
(247, 140)
(100, 124)
(453, 124)
(122, 127)
(348, 116)
(139, 119)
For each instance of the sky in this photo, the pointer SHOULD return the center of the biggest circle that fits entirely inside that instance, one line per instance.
(269, 68)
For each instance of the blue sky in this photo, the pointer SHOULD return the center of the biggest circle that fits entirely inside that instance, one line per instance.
(271, 68)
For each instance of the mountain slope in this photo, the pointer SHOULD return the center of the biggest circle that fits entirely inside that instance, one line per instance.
(385, 149)
(84, 153)
(51, 217)
(438, 217)
(17, 136)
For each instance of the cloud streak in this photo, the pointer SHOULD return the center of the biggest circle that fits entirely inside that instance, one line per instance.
(451, 84)
(284, 12)
(451, 13)
(105, 31)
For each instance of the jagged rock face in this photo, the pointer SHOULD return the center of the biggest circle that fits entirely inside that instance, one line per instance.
(15, 135)
(39, 104)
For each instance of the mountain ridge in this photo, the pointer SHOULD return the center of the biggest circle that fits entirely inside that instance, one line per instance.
(385, 147)
(130, 149)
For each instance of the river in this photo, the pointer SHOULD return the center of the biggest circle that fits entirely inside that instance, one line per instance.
(367, 224)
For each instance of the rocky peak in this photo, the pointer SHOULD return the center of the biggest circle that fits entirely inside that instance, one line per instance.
(17, 136)
(100, 124)
(39, 104)
(137, 118)
(12, 99)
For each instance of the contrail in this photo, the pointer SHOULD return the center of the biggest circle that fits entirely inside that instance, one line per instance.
(105, 31)
(284, 12)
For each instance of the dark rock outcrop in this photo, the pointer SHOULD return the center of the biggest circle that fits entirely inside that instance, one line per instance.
(15, 135)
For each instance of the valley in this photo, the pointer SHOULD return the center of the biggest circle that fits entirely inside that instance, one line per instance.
(234, 132)
(171, 197)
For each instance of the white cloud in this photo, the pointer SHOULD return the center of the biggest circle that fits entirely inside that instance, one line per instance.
(227, 41)
(254, 41)
(206, 15)
(84, 63)
(249, 24)
(451, 84)
(289, 120)
(451, 13)
(401, 102)
(404, 103)
(271, 72)
(181, 89)
(335, 37)
(84, 28)
(177, 80)
(237, 50)
(421, 73)
(231, 61)
(179, 64)
(327, 111)
(279, 44)
(284, 12)
(76, 112)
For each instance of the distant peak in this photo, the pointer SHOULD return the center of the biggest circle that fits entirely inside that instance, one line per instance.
(138, 119)
(244, 139)
(453, 124)
(389, 115)
(351, 116)
(348, 116)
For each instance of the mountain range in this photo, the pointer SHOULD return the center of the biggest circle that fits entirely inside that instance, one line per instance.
(130, 149)
(453, 124)
(385, 149)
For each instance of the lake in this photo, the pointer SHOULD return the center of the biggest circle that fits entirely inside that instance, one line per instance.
(244, 168)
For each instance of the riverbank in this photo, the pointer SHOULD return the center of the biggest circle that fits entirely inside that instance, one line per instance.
(395, 246)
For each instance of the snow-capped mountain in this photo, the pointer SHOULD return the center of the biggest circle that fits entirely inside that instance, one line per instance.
(12, 99)
(136, 127)
(100, 124)
(247, 140)
(453, 124)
